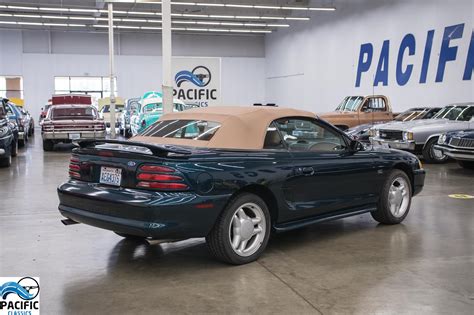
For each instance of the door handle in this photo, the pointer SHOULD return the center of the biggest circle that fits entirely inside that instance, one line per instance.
(307, 171)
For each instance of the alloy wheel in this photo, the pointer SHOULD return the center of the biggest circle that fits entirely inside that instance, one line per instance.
(247, 229)
(399, 197)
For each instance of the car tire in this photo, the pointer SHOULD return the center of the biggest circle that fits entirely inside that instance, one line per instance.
(431, 155)
(21, 143)
(14, 148)
(131, 237)
(48, 145)
(466, 164)
(241, 232)
(6, 162)
(395, 199)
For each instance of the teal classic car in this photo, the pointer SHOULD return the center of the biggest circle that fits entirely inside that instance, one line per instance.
(149, 111)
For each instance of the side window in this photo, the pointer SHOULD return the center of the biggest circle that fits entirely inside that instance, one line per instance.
(273, 139)
(301, 134)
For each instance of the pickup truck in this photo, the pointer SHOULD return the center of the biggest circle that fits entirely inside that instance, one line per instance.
(359, 110)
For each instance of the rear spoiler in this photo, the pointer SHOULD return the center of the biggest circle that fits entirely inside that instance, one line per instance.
(156, 149)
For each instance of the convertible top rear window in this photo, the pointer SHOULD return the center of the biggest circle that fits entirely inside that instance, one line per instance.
(183, 129)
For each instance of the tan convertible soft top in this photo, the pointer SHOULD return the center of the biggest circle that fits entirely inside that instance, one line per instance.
(241, 127)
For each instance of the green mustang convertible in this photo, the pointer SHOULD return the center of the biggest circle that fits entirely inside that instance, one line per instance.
(234, 175)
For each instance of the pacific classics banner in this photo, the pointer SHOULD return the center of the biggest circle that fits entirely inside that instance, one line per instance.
(197, 80)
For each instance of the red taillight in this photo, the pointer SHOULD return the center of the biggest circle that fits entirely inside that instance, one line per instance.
(156, 169)
(74, 167)
(159, 177)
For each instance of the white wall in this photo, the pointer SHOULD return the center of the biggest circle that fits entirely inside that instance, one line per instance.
(138, 63)
(313, 65)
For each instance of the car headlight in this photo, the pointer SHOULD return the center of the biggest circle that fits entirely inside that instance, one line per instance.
(407, 135)
(442, 139)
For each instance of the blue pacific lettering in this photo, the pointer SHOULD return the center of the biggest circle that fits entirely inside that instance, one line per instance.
(448, 52)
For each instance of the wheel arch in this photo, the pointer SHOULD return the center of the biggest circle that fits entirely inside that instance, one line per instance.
(407, 170)
(263, 192)
(437, 135)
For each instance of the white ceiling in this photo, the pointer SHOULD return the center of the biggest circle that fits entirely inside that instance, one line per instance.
(197, 16)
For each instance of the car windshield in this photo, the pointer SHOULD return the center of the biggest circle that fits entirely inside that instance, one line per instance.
(350, 103)
(456, 112)
(73, 113)
(154, 107)
(411, 114)
(118, 108)
(183, 129)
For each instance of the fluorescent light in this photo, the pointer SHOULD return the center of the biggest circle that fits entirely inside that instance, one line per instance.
(53, 9)
(7, 22)
(20, 8)
(128, 26)
(84, 10)
(27, 16)
(29, 23)
(59, 17)
(55, 24)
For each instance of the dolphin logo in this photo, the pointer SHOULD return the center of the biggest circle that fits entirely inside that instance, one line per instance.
(200, 76)
(15, 288)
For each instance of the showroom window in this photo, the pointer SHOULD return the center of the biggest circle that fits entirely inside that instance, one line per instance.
(97, 87)
(11, 87)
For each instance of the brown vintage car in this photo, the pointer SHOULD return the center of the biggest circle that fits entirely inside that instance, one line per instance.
(358, 110)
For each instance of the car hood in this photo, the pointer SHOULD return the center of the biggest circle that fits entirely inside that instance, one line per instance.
(464, 134)
(409, 125)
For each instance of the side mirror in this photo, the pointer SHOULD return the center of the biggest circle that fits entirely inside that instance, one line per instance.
(356, 146)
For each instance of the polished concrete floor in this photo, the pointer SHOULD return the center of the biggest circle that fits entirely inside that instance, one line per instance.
(423, 266)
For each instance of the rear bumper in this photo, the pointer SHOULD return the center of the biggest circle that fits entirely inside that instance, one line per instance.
(457, 154)
(418, 181)
(138, 212)
(64, 135)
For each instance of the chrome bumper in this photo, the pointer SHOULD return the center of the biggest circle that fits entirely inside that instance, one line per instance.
(395, 144)
(63, 135)
(457, 154)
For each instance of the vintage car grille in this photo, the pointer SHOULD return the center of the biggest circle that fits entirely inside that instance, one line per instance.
(391, 134)
(462, 143)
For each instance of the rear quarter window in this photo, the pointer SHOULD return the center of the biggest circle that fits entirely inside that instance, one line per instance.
(183, 129)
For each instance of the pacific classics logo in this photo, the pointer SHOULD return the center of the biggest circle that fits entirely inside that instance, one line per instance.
(19, 297)
(200, 77)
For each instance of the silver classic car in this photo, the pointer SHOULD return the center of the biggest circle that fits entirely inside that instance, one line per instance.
(421, 136)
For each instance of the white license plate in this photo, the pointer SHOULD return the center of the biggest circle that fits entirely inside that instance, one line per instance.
(110, 176)
(74, 136)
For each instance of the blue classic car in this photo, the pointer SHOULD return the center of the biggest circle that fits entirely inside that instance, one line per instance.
(233, 175)
(458, 145)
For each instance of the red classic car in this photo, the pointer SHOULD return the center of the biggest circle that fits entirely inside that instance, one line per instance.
(71, 118)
